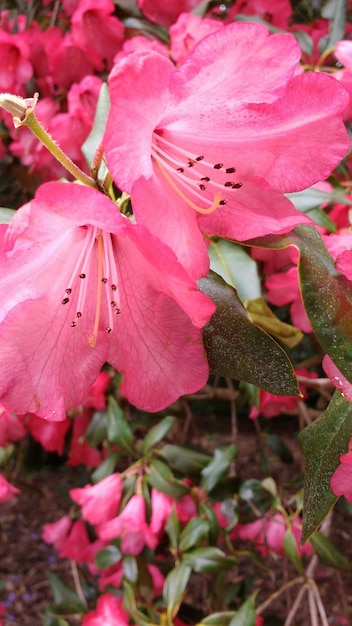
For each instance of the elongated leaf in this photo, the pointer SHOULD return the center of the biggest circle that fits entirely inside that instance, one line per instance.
(118, 428)
(211, 560)
(246, 614)
(322, 443)
(326, 294)
(233, 263)
(291, 550)
(218, 619)
(217, 467)
(328, 553)
(65, 598)
(194, 530)
(238, 348)
(184, 459)
(262, 316)
(161, 477)
(157, 433)
(174, 587)
(107, 556)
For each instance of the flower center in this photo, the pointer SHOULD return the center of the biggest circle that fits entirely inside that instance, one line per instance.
(203, 185)
(98, 242)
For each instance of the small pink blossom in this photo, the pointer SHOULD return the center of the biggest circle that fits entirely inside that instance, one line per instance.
(109, 612)
(57, 532)
(15, 67)
(80, 452)
(187, 31)
(268, 534)
(70, 300)
(51, 435)
(162, 505)
(131, 527)
(337, 378)
(7, 491)
(165, 12)
(76, 546)
(10, 428)
(271, 405)
(192, 130)
(341, 480)
(99, 502)
(97, 396)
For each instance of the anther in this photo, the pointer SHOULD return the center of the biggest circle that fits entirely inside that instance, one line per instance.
(206, 179)
(82, 275)
(104, 280)
(113, 287)
(180, 169)
(78, 314)
(65, 300)
(237, 185)
(190, 163)
(200, 158)
(218, 166)
(222, 202)
(230, 170)
(73, 324)
(202, 187)
(117, 311)
(108, 330)
(113, 303)
(229, 183)
(68, 291)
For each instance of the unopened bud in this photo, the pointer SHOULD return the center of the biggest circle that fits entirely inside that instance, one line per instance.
(17, 106)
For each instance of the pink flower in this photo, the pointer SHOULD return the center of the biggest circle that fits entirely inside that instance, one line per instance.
(268, 533)
(187, 31)
(99, 502)
(10, 428)
(51, 435)
(97, 31)
(165, 12)
(341, 480)
(271, 405)
(277, 13)
(7, 491)
(76, 546)
(109, 612)
(15, 67)
(337, 378)
(97, 396)
(161, 508)
(213, 146)
(131, 527)
(70, 302)
(57, 532)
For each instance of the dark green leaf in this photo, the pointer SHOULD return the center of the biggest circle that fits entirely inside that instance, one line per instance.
(107, 556)
(172, 529)
(105, 468)
(65, 598)
(336, 10)
(218, 619)
(130, 604)
(322, 443)
(174, 587)
(161, 477)
(208, 560)
(217, 467)
(119, 430)
(238, 348)
(96, 430)
(246, 614)
(193, 532)
(328, 553)
(291, 550)
(157, 433)
(185, 460)
(277, 445)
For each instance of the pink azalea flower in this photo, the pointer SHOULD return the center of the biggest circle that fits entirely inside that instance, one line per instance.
(131, 527)
(51, 435)
(166, 12)
(341, 480)
(70, 302)
(268, 534)
(337, 378)
(10, 428)
(57, 532)
(97, 396)
(15, 67)
(271, 405)
(162, 505)
(97, 31)
(80, 451)
(109, 612)
(213, 146)
(99, 502)
(7, 491)
(76, 546)
(187, 31)
(277, 13)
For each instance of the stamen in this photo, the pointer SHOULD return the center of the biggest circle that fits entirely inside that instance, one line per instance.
(92, 338)
(180, 193)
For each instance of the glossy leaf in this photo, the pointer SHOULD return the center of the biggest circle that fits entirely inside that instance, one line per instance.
(175, 584)
(161, 477)
(208, 560)
(233, 263)
(291, 550)
(328, 553)
(157, 433)
(217, 467)
(105, 468)
(107, 556)
(118, 428)
(193, 532)
(130, 568)
(322, 443)
(326, 294)
(64, 597)
(184, 459)
(218, 619)
(246, 614)
(238, 348)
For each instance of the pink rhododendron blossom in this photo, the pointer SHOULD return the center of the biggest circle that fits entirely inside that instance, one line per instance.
(10, 428)
(139, 43)
(109, 612)
(97, 31)
(97, 398)
(71, 302)
(99, 502)
(337, 378)
(343, 53)
(277, 13)
(213, 146)
(69, 63)
(162, 505)
(57, 532)
(341, 480)
(51, 435)
(187, 31)
(271, 405)
(7, 491)
(268, 533)
(80, 452)
(15, 67)
(76, 545)
(166, 12)
(131, 527)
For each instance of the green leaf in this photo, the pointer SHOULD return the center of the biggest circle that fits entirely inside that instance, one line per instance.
(118, 428)
(66, 599)
(328, 553)
(193, 532)
(278, 447)
(105, 468)
(291, 550)
(335, 11)
(130, 568)
(107, 556)
(174, 587)
(233, 263)
(238, 348)
(157, 433)
(130, 604)
(218, 619)
(172, 529)
(326, 294)
(246, 614)
(218, 466)
(161, 477)
(322, 443)
(208, 560)
(184, 459)
(6, 215)
(96, 430)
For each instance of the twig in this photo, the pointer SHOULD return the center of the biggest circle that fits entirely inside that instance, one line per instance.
(77, 583)
(276, 594)
(295, 606)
